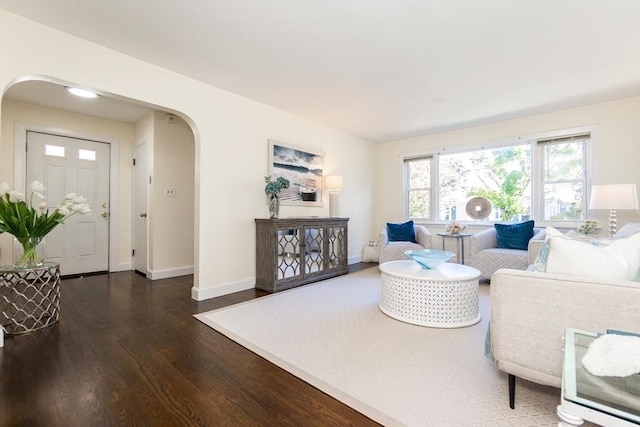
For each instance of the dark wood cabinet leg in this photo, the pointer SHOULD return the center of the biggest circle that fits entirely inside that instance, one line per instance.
(512, 391)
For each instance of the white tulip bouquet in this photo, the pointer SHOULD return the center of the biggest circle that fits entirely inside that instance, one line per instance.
(29, 224)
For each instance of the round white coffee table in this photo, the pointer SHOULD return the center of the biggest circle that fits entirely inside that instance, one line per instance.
(444, 297)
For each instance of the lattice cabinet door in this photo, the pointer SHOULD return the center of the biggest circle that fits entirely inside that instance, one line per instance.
(289, 245)
(337, 246)
(314, 258)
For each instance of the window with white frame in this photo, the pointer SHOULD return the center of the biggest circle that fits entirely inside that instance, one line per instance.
(418, 180)
(564, 177)
(543, 179)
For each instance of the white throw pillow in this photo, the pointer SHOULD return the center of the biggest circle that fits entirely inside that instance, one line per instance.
(540, 263)
(550, 232)
(619, 260)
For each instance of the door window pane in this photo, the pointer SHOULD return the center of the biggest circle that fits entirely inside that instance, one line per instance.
(86, 155)
(53, 150)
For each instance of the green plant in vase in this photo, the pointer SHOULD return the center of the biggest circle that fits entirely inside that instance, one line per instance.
(272, 189)
(29, 224)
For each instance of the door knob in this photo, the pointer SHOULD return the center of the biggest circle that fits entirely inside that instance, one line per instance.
(104, 214)
(143, 215)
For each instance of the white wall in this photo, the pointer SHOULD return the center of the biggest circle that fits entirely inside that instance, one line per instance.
(616, 158)
(171, 163)
(171, 218)
(80, 125)
(231, 134)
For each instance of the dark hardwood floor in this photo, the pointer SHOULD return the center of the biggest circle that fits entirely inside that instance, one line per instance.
(127, 351)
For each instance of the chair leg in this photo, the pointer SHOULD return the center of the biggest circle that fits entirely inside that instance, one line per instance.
(512, 391)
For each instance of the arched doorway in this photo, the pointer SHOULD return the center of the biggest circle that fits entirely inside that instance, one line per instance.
(43, 104)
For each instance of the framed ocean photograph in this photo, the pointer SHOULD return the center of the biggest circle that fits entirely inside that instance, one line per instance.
(302, 167)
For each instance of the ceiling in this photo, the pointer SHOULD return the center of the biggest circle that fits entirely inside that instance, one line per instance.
(380, 70)
(55, 96)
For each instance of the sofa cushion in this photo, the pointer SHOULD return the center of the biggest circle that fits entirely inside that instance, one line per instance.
(493, 259)
(514, 236)
(619, 260)
(401, 232)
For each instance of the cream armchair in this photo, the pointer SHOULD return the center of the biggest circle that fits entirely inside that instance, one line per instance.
(485, 255)
(393, 251)
(530, 311)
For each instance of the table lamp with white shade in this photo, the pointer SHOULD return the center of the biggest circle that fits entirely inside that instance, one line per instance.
(612, 197)
(333, 184)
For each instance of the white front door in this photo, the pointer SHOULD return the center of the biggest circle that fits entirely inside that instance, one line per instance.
(140, 205)
(71, 165)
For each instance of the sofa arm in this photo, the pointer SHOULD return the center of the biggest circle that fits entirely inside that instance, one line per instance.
(423, 237)
(535, 244)
(384, 237)
(484, 239)
(530, 311)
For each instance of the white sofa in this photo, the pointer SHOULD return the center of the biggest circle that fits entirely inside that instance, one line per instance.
(486, 256)
(530, 311)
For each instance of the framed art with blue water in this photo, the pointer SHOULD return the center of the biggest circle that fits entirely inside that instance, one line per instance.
(302, 167)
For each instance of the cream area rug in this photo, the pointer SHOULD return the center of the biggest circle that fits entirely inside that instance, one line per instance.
(332, 335)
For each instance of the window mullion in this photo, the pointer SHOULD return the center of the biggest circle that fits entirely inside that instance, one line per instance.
(434, 200)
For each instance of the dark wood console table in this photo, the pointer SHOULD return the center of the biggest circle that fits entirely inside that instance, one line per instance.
(295, 251)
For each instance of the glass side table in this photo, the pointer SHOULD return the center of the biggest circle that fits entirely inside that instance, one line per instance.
(29, 298)
(608, 401)
(459, 243)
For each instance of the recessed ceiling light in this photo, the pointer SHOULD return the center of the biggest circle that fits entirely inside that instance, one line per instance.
(81, 92)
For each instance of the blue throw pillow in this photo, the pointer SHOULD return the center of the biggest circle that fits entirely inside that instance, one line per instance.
(514, 236)
(401, 232)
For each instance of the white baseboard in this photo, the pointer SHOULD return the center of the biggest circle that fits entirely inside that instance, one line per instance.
(200, 294)
(169, 272)
(123, 266)
(354, 259)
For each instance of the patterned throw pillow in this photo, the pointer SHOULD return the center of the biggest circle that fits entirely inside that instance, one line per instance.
(540, 264)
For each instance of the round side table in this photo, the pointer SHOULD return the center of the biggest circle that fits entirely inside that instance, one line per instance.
(29, 297)
(459, 241)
